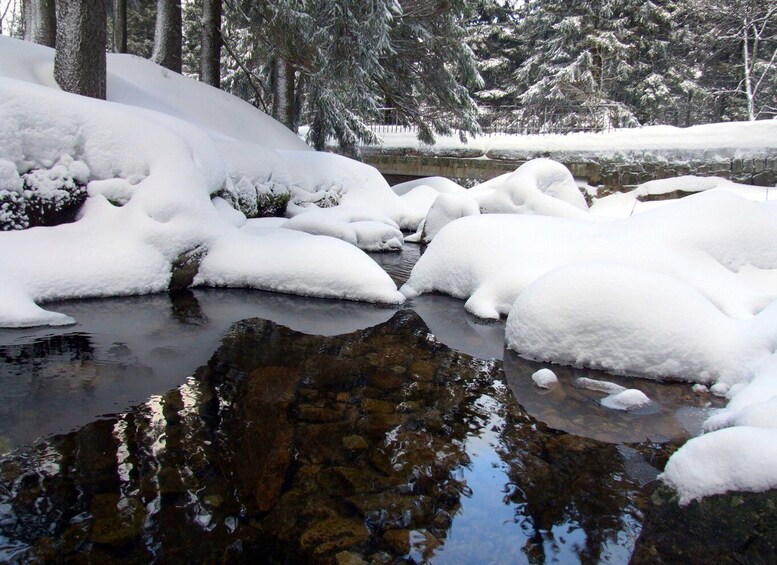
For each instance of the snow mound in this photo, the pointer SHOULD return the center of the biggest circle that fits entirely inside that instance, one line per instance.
(545, 378)
(440, 185)
(490, 259)
(367, 230)
(632, 321)
(656, 193)
(282, 261)
(446, 208)
(540, 186)
(742, 458)
(626, 400)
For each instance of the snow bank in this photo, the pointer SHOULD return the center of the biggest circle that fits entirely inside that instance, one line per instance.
(284, 260)
(645, 196)
(738, 452)
(632, 321)
(358, 226)
(541, 186)
(490, 259)
(151, 178)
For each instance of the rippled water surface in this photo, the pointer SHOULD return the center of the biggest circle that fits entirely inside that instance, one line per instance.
(241, 426)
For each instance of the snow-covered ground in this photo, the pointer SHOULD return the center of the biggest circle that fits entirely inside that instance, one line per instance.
(679, 289)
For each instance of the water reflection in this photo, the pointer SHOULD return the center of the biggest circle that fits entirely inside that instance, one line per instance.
(125, 349)
(381, 444)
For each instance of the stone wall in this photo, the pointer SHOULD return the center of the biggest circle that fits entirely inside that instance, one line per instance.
(618, 174)
(612, 171)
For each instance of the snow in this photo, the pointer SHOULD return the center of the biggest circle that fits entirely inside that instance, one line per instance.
(440, 185)
(545, 378)
(154, 159)
(626, 400)
(743, 458)
(490, 259)
(358, 226)
(729, 139)
(624, 204)
(540, 187)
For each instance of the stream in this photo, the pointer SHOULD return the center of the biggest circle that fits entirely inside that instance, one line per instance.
(245, 426)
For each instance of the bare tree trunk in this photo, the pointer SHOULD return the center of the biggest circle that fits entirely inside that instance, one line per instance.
(120, 26)
(168, 35)
(210, 62)
(79, 63)
(40, 22)
(283, 93)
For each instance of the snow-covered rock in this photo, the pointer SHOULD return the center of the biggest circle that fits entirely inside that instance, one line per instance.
(545, 378)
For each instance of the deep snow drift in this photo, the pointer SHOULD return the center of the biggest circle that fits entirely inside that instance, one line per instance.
(152, 158)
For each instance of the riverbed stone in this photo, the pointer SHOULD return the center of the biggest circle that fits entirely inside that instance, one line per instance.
(355, 443)
(331, 536)
(115, 521)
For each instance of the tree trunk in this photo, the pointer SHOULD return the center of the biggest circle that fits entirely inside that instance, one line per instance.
(210, 63)
(168, 35)
(283, 93)
(120, 26)
(40, 22)
(79, 63)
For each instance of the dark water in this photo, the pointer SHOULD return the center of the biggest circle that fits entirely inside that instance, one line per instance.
(241, 426)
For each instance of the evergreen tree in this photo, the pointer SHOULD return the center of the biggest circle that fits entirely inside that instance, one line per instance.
(168, 35)
(210, 61)
(141, 17)
(79, 62)
(578, 64)
(40, 22)
(739, 54)
(339, 62)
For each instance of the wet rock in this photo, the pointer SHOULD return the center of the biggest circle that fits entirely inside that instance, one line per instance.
(332, 373)
(263, 435)
(415, 543)
(185, 268)
(729, 528)
(116, 521)
(349, 558)
(387, 381)
(423, 370)
(355, 443)
(345, 481)
(331, 536)
(308, 413)
(322, 443)
(387, 510)
(372, 406)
